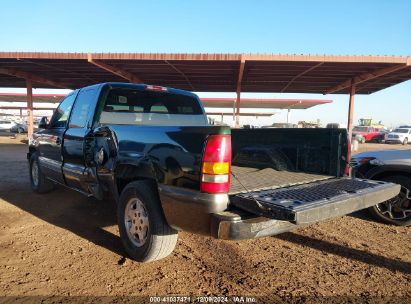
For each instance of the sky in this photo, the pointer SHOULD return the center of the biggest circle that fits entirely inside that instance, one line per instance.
(350, 27)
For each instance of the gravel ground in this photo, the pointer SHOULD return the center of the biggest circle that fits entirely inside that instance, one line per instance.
(65, 245)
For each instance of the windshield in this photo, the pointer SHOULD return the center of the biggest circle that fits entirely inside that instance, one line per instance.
(360, 129)
(401, 131)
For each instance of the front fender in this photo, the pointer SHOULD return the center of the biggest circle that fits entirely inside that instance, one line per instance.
(395, 169)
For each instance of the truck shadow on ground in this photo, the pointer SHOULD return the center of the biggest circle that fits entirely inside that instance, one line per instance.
(71, 211)
(347, 252)
(365, 216)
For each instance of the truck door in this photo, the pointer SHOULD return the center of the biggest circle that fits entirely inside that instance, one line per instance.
(75, 171)
(51, 139)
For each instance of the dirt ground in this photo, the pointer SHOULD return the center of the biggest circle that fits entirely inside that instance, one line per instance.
(66, 245)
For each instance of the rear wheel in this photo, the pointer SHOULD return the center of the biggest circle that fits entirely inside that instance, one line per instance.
(144, 231)
(38, 181)
(396, 210)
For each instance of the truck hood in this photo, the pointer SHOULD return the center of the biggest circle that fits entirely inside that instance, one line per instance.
(389, 157)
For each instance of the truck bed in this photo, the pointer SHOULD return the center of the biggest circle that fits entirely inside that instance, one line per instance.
(246, 179)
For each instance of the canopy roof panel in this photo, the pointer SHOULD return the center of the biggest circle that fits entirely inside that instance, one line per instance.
(208, 72)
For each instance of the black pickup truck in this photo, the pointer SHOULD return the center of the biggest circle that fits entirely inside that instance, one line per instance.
(151, 150)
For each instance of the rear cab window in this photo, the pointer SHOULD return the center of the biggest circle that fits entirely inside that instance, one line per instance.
(129, 106)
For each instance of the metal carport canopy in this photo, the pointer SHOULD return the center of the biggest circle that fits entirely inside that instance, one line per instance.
(208, 72)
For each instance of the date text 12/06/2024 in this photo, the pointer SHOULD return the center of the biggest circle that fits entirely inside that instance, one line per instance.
(202, 299)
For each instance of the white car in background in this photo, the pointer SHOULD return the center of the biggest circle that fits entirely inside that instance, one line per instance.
(399, 136)
(6, 125)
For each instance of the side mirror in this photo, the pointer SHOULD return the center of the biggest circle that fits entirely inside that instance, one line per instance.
(44, 122)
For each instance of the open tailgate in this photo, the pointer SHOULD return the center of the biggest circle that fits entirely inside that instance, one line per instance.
(313, 202)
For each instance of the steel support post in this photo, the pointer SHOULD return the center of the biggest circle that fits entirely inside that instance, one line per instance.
(238, 90)
(351, 110)
(237, 112)
(29, 107)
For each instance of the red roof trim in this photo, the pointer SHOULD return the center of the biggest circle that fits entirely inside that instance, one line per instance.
(34, 95)
(271, 100)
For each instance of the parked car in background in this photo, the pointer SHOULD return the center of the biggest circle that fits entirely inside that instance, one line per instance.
(19, 128)
(367, 133)
(390, 166)
(380, 138)
(6, 125)
(399, 136)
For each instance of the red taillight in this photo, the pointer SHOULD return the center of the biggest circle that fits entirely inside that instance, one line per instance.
(215, 170)
(156, 88)
(347, 170)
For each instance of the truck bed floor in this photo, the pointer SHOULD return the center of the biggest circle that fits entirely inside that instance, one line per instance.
(251, 179)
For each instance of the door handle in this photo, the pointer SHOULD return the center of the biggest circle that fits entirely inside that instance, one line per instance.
(58, 141)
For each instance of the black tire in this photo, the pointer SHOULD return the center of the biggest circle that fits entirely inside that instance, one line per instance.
(39, 183)
(20, 130)
(159, 239)
(362, 140)
(380, 211)
(405, 142)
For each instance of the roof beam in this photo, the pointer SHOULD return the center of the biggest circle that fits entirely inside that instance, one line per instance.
(114, 70)
(34, 78)
(181, 73)
(366, 77)
(81, 75)
(301, 74)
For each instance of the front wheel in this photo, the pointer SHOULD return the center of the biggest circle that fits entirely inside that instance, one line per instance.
(405, 142)
(38, 181)
(396, 210)
(144, 231)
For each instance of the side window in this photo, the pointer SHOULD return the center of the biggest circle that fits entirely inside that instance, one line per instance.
(60, 116)
(81, 110)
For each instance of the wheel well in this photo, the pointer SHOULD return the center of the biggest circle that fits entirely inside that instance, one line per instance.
(384, 174)
(32, 150)
(126, 174)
